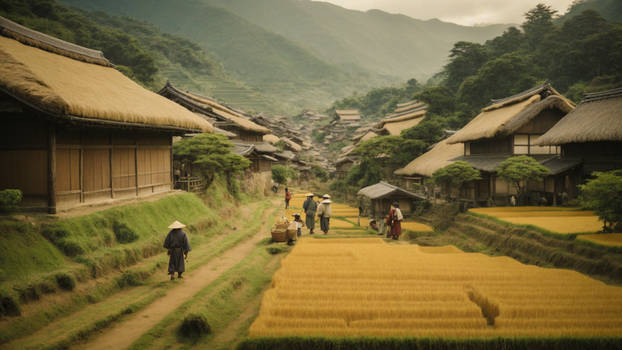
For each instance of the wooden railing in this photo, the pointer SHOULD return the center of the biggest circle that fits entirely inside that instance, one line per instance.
(190, 184)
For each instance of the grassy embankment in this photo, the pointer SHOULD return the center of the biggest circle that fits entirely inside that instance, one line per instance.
(476, 232)
(93, 265)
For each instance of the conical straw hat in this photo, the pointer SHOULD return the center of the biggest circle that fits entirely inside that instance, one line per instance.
(176, 224)
(326, 196)
(310, 194)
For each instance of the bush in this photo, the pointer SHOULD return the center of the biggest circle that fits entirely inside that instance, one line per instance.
(69, 248)
(279, 174)
(8, 306)
(65, 281)
(129, 279)
(194, 326)
(443, 215)
(9, 199)
(123, 233)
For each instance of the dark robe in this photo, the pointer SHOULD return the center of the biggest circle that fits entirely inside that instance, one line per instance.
(310, 207)
(177, 244)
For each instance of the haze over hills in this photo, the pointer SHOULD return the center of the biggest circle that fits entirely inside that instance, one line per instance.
(304, 54)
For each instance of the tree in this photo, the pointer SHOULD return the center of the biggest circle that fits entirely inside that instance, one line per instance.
(519, 170)
(539, 21)
(281, 173)
(603, 194)
(210, 154)
(465, 59)
(430, 131)
(452, 178)
(319, 172)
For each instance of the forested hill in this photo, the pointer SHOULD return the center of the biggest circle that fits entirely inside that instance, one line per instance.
(611, 10)
(304, 53)
(138, 49)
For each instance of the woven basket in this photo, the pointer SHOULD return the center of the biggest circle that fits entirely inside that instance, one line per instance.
(279, 232)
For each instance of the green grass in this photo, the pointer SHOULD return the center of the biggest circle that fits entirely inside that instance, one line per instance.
(221, 302)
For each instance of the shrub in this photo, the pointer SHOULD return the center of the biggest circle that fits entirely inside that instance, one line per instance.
(443, 215)
(194, 326)
(123, 233)
(602, 194)
(9, 199)
(69, 248)
(129, 279)
(65, 281)
(8, 306)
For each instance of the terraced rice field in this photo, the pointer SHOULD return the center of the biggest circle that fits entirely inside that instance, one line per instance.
(554, 219)
(366, 287)
(609, 239)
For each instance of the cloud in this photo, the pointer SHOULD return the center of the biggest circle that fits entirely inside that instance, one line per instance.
(469, 12)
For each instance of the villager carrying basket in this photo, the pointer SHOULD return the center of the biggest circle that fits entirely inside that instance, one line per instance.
(279, 232)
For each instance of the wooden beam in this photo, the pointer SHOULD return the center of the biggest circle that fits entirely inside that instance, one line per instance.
(81, 175)
(51, 169)
(172, 178)
(110, 170)
(136, 166)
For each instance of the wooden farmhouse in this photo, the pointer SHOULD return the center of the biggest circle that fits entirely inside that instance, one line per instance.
(376, 200)
(511, 127)
(406, 116)
(77, 131)
(246, 133)
(591, 133)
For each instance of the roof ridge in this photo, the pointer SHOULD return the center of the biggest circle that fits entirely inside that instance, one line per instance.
(533, 90)
(49, 43)
(602, 95)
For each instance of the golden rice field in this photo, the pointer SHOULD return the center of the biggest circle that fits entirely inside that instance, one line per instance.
(554, 219)
(608, 239)
(365, 287)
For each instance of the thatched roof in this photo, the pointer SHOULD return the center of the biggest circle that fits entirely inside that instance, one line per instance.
(271, 138)
(226, 133)
(243, 149)
(345, 160)
(386, 190)
(408, 106)
(348, 114)
(211, 108)
(505, 116)
(368, 135)
(597, 118)
(51, 44)
(441, 155)
(396, 123)
(73, 89)
(291, 144)
(265, 147)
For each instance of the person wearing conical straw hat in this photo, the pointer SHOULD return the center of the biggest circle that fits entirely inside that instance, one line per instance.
(324, 212)
(178, 247)
(310, 207)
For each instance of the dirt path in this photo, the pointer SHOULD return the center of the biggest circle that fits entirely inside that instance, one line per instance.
(126, 332)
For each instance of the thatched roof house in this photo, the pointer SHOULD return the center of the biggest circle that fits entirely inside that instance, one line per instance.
(77, 131)
(506, 116)
(441, 155)
(347, 115)
(592, 132)
(597, 118)
(223, 117)
(406, 116)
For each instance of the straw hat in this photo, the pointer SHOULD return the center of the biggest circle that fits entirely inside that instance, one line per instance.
(327, 201)
(176, 224)
(326, 196)
(310, 194)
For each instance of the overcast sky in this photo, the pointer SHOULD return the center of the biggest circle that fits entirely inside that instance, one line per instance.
(466, 12)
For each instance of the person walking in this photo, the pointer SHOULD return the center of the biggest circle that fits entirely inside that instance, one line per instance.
(324, 212)
(288, 196)
(178, 247)
(395, 220)
(310, 207)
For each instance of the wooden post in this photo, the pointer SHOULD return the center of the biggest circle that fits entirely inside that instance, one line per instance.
(170, 150)
(81, 175)
(111, 172)
(491, 184)
(51, 169)
(136, 166)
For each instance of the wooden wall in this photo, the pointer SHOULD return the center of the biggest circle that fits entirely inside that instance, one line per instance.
(62, 165)
(103, 164)
(24, 157)
(596, 156)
